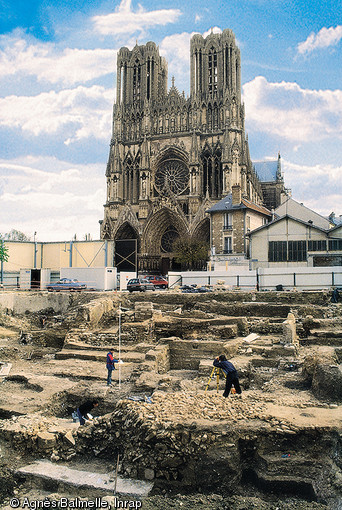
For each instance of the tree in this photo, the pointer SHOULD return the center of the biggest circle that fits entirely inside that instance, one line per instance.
(3, 251)
(16, 235)
(192, 254)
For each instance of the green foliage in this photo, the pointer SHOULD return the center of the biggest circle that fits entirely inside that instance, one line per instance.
(190, 253)
(3, 251)
(16, 235)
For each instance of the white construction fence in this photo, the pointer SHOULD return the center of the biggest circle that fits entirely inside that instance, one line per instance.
(285, 278)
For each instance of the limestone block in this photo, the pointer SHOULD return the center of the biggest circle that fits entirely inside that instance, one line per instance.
(289, 330)
(70, 438)
(149, 474)
(143, 310)
(327, 381)
(46, 440)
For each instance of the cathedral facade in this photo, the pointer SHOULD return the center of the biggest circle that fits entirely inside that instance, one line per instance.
(171, 157)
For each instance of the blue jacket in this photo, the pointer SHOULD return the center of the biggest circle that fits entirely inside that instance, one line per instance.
(111, 361)
(226, 366)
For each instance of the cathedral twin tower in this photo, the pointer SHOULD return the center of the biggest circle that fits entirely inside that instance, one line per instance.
(173, 157)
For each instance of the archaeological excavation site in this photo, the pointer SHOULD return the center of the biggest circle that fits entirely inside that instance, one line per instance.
(163, 436)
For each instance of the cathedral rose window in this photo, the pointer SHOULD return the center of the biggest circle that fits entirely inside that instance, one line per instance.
(168, 238)
(172, 176)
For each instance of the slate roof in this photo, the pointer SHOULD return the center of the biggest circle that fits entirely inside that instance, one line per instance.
(226, 205)
(223, 205)
(337, 221)
(266, 170)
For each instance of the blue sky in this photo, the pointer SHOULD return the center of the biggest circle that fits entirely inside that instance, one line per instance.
(57, 87)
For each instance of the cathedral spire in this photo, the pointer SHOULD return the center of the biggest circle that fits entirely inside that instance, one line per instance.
(116, 157)
(279, 174)
(246, 154)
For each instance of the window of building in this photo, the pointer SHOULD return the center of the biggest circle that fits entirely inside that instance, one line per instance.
(136, 81)
(317, 245)
(335, 244)
(277, 251)
(296, 251)
(148, 80)
(212, 71)
(227, 245)
(227, 221)
(281, 251)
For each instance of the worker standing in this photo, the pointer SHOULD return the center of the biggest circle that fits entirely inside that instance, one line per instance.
(231, 374)
(110, 365)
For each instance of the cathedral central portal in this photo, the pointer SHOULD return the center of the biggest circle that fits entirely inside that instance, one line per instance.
(171, 157)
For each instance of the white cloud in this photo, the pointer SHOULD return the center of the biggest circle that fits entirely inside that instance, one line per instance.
(85, 112)
(58, 203)
(323, 39)
(288, 111)
(198, 18)
(176, 49)
(311, 183)
(214, 30)
(49, 64)
(127, 21)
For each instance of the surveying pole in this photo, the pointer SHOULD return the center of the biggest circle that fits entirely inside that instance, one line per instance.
(120, 312)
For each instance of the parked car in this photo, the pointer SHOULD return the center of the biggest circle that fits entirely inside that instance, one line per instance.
(158, 281)
(139, 284)
(66, 284)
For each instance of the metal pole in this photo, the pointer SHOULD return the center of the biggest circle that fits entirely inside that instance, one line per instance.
(70, 254)
(2, 264)
(257, 280)
(120, 312)
(106, 253)
(116, 473)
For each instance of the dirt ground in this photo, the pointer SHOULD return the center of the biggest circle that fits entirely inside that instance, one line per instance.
(41, 391)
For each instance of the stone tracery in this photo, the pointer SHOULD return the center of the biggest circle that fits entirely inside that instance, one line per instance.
(189, 150)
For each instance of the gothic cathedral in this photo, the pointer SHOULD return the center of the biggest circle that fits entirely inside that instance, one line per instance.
(171, 157)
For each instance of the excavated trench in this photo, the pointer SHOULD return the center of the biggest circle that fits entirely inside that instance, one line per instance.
(279, 442)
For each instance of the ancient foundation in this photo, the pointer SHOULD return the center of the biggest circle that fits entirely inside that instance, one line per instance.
(162, 437)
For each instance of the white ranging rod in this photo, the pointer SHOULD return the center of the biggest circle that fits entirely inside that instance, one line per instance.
(120, 312)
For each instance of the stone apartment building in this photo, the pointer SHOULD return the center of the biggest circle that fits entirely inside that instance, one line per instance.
(231, 219)
(172, 158)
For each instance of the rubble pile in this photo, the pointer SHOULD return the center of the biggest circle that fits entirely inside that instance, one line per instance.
(186, 407)
(38, 434)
